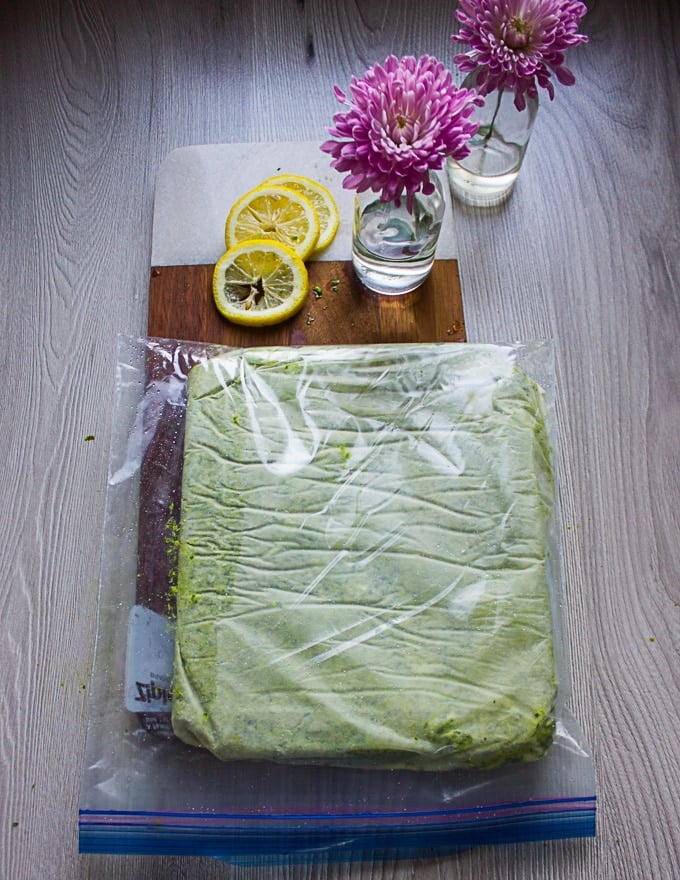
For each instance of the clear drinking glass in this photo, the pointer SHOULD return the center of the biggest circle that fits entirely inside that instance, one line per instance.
(393, 249)
(487, 175)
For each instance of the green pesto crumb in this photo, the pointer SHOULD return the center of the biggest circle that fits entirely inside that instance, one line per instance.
(88, 438)
(172, 544)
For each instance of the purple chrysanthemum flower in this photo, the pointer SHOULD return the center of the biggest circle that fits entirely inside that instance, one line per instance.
(404, 118)
(517, 44)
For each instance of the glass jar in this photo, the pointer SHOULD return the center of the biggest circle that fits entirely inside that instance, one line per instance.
(393, 248)
(487, 175)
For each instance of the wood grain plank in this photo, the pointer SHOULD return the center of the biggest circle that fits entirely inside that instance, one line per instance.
(94, 96)
(58, 106)
(608, 293)
(338, 310)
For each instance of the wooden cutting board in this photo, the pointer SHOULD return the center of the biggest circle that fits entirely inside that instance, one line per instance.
(192, 189)
(195, 187)
(338, 311)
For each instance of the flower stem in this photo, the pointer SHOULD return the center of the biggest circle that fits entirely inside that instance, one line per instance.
(487, 136)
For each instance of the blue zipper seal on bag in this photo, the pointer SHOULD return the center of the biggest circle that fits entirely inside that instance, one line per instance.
(247, 839)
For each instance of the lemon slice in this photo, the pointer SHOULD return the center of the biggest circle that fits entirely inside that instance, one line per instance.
(324, 203)
(259, 282)
(277, 213)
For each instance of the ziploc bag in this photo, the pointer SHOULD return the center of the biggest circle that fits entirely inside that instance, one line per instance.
(331, 608)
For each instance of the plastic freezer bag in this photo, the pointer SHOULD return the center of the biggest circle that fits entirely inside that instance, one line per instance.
(359, 547)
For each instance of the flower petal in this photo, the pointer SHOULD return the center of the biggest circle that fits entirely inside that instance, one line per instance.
(518, 43)
(403, 119)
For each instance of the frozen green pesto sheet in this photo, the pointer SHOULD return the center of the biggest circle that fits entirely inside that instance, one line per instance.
(362, 569)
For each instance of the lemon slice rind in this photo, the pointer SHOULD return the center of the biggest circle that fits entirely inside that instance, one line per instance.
(259, 282)
(324, 203)
(275, 213)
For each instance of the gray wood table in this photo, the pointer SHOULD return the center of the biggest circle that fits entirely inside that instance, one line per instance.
(93, 96)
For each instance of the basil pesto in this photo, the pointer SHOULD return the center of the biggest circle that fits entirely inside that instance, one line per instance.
(362, 570)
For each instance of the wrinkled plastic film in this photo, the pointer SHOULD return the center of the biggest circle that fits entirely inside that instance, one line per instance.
(363, 557)
(135, 763)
